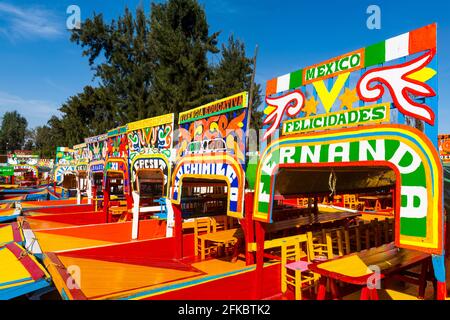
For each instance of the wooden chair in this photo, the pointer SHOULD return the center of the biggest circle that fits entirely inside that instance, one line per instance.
(347, 201)
(295, 272)
(388, 230)
(372, 234)
(302, 202)
(353, 234)
(219, 223)
(318, 251)
(202, 226)
(351, 202)
(339, 242)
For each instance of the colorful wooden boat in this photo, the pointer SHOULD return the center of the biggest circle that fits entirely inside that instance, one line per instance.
(116, 183)
(9, 214)
(150, 152)
(20, 273)
(372, 131)
(161, 269)
(45, 237)
(96, 147)
(11, 232)
(81, 156)
(323, 144)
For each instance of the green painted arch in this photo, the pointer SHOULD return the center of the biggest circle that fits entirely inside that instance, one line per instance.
(419, 206)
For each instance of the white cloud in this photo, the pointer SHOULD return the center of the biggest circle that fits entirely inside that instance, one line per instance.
(221, 6)
(26, 23)
(37, 112)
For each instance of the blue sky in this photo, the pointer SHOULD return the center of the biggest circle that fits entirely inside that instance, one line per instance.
(41, 68)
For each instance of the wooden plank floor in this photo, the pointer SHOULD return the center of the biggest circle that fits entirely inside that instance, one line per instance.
(101, 278)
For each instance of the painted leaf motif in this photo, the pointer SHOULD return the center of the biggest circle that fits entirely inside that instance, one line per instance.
(400, 85)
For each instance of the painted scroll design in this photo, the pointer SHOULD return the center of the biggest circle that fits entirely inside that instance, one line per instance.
(291, 104)
(151, 140)
(395, 79)
(97, 151)
(117, 146)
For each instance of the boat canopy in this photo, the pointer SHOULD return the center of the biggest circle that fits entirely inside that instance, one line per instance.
(307, 180)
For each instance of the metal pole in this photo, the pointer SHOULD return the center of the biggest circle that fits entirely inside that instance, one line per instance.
(250, 98)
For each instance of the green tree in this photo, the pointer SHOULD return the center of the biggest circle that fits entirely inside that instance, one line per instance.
(29, 139)
(233, 74)
(119, 54)
(12, 131)
(44, 144)
(86, 114)
(148, 65)
(180, 42)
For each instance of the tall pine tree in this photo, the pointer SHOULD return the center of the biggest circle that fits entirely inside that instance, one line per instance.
(148, 65)
(119, 53)
(233, 74)
(13, 131)
(180, 39)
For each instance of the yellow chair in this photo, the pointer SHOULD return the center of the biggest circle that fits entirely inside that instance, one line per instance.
(202, 226)
(318, 251)
(295, 272)
(350, 201)
(302, 202)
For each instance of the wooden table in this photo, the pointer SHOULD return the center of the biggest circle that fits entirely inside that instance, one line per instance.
(189, 223)
(378, 199)
(354, 269)
(312, 219)
(222, 238)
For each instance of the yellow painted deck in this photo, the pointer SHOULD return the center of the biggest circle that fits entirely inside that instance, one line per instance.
(113, 280)
(6, 235)
(12, 272)
(54, 242)
(7, 212)
(210, 267)
(215, 265)
(370, 217)
(102, 279)
(9, 186)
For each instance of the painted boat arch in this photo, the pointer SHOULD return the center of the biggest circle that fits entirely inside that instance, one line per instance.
(93, 168)
(117, 165)
(404, 149)
(152, 162)
(81, 167)
(212, 167)
(61, 170)
(32, 168)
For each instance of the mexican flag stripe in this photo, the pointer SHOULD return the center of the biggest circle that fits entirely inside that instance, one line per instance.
(394, 48)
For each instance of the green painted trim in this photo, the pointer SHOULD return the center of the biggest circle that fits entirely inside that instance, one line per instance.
(296, 79)
(375, 54)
